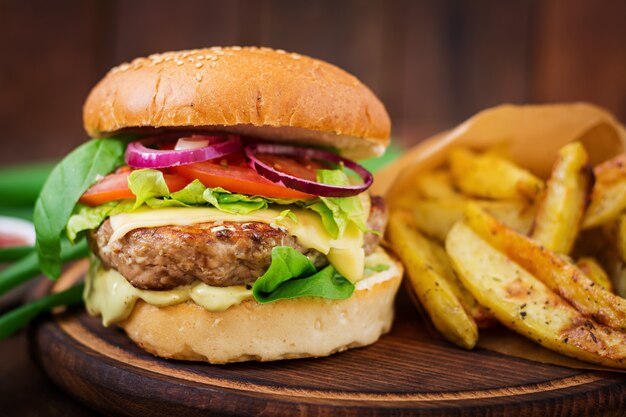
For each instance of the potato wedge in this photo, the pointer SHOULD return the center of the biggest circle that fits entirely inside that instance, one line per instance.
(516, 214)
(436, 218)
(594, 271)
(608, 197)
(618, 275)
(562, 205)
(524, 304)
(559, 275)
(480, 314)
(491, 176)
(436, 185)
(434, 289)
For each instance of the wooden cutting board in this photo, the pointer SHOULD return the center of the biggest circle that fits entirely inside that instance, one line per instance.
(409, 371)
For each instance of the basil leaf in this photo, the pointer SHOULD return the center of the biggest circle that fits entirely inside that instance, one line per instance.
(292, 275)
(66, 183)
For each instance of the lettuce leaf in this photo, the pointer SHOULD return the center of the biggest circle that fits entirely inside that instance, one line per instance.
(234, 203)
(147, 184)
(344, 209)
(88, 218)
(292, 275)
(150, 189)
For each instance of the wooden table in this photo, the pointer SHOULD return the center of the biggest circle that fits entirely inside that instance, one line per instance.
(26, 391)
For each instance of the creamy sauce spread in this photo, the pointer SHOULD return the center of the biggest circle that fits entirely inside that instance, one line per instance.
(109, 294)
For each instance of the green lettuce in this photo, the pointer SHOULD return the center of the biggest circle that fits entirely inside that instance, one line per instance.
(293, 275)
(147, 184)
(88, 218)
(150, 188)
(345, 210)
(234, 203)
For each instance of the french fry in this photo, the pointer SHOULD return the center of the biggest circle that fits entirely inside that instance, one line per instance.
(594, 271)
(491, 176)
(436, 185)
(602, 244)
(480, 314)
(436, 218)
(523, 303)
(608, 198)
(619, 266)
(516, 214)
(562, 206)
(435, 290)
(560, 276)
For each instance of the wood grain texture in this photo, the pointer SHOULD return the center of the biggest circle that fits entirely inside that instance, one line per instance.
(409, 372)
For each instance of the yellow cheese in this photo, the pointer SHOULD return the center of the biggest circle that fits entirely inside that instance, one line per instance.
(345, 253)
(108, 293)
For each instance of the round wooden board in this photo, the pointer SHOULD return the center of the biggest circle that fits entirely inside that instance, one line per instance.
(407, 372)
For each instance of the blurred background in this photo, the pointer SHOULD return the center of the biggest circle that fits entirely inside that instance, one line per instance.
(433, 63)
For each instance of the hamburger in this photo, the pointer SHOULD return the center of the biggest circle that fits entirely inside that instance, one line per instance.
(227, 218)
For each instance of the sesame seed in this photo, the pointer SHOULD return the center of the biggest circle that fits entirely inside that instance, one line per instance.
(124, 67)
(199, 65)
(199, 56)
(281, 51)
(213, 58)
(296, 56)
(199, 77)
(179, 62)
(236, 48)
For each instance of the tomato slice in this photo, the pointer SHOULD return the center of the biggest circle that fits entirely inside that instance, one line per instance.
(233, 174)
(298, 167)
(115, 187)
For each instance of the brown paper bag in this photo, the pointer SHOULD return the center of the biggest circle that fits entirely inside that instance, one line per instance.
(530, 135)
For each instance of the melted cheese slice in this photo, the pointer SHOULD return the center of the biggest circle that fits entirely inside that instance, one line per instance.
(345, 254)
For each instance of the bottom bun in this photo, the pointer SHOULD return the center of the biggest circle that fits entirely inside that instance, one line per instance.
(287, 329)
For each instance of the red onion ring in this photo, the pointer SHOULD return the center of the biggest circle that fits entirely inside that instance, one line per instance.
(306, 186)
(138, 155)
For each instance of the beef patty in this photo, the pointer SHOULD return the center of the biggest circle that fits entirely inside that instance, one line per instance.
(219, 254)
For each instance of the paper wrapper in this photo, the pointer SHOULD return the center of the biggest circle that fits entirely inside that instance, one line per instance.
(530, 136)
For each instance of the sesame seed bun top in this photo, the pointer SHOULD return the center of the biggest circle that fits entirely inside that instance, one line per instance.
(255, 91)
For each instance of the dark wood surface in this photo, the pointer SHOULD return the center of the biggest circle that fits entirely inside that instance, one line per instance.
(433, 63)
(25, 391)
(408, 372)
